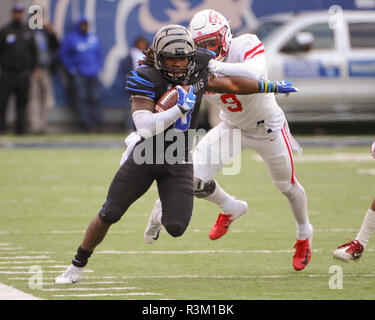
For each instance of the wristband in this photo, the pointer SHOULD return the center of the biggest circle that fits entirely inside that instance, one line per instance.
(265, 86)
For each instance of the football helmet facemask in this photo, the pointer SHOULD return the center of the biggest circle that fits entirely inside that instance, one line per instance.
(211, 30)
(174, 41)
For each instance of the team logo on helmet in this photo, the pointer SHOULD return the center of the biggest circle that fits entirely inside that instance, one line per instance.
(211, 30)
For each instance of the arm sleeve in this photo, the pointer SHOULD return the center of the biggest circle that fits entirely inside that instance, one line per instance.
(241, 69)
(150, 124)
(142, 82)
(251, 59)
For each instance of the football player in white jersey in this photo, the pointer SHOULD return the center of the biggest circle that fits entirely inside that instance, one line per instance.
(353, 250)
(263, 128)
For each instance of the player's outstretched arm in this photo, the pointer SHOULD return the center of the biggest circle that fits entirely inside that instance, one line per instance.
(239, 85)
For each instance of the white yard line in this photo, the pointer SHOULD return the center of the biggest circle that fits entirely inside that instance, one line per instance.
(86, 277)
(83, 231)
(31, 262)
(24, 257)
(90, 289)
(80, 283)
(370, 172)
(200, 251)
(26, 272)
(10, 293)
(334, 157)
(109, 294)
(192, 276)
(275, 276)
(27, 267)
(29, 252)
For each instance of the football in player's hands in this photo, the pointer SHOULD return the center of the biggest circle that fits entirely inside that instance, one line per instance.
(169, 98)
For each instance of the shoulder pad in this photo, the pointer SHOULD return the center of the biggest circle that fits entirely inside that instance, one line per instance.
(139, 82)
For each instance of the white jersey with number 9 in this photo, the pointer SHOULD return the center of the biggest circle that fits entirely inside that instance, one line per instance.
(248, 111)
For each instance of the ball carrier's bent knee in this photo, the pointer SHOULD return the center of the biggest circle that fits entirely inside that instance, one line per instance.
(175, 230)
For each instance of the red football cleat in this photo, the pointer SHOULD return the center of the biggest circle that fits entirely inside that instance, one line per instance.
(349, 251)
(220, 227)
(302, 255)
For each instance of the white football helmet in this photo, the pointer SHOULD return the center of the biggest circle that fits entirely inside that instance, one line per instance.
(210, 30)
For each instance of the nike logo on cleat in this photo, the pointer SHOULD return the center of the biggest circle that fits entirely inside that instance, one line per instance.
(157, 236)
(306, 258)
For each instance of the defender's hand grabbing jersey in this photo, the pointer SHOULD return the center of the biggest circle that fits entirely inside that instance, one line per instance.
(147, 82)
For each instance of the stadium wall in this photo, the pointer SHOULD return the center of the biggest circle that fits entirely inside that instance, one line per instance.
(119, 22)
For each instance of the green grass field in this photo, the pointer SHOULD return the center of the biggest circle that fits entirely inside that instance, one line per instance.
(49, 196)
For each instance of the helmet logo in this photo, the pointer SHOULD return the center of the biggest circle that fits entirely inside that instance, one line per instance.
(214, 18)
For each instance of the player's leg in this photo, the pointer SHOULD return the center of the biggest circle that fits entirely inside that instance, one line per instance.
(277, 154)
(368, 226)
(217, 147)
(353, 250)
(176, 191)
(130, 183)
(22, 97)
(80, 99)
(6, 88)
(95, 112)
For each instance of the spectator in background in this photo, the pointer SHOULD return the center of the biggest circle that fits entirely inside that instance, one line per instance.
(41, 92)
(81, 56)
(18, 59)
(129, 63)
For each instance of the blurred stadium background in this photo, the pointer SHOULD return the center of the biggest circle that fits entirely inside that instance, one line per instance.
(333, 97)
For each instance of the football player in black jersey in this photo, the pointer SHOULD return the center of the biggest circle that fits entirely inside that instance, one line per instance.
(173, 60)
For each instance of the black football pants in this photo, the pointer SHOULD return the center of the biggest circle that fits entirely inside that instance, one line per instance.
(175, 186)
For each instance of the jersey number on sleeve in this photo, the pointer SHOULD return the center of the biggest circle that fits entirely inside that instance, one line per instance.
(231, 99)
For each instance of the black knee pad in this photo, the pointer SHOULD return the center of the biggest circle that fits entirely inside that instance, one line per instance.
(175, 230)
(204, 189)
(109, 216)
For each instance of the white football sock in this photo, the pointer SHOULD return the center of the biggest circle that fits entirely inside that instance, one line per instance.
(303, 231)
(222, 199)
(367, 228)
(296, 196)
(157, 216)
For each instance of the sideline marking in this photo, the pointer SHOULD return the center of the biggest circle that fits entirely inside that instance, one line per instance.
(10, 293)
